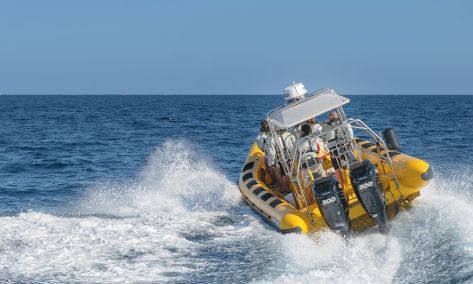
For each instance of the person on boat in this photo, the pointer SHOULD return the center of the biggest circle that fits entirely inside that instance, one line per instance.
(264, 134)
(313, 148)
(267, 143)
(315, 128)
(345, 133)
(336, 137)
(264, 141)
(273, 162)
(309, 148)
(310, 155)
(288, 140)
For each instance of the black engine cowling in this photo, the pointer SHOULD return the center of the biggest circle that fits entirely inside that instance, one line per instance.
(333, 204)
(363, 178)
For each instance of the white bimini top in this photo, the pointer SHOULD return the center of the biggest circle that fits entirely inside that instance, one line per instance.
(308, 108)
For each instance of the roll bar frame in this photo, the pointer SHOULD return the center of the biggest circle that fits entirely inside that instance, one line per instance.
(294, 172)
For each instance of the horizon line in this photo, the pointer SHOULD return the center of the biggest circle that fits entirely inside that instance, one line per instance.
(224, 94)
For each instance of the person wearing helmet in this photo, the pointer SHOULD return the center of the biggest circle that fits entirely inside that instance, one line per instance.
(294, 92)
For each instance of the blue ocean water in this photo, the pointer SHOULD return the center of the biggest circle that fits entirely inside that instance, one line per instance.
(113, 189)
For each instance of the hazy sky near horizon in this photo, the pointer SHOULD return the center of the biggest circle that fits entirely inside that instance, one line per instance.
(235, 47)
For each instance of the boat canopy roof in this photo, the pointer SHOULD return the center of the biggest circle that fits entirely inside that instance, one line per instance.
(293, 114)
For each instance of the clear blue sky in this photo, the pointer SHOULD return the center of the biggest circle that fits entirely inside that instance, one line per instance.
(249, 47)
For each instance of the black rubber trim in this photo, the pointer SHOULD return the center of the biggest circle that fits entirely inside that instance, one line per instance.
(428, 175)
(258, 190)
(275, 203)
(266, 196)
(248, 166)
(247, 177)
(267, 219)
(394, 153)
(367, 145)
(251, 183)
(297, 230)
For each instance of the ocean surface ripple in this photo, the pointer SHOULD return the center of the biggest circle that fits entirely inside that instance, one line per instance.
(126, 189)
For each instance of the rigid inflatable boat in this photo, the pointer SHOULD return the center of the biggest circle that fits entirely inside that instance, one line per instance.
(375, 181)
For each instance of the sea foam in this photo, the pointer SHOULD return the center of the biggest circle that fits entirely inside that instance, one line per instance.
(182, 220)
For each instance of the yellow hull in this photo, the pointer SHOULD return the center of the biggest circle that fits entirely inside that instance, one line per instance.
(412, 174)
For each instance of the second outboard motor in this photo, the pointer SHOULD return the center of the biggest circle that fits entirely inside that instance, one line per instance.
(363, 178)
(333, 204)
(392, 142)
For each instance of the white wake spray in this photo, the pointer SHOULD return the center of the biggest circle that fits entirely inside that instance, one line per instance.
(431, 242)
(149, 230)
(175, 180)
(183, 220)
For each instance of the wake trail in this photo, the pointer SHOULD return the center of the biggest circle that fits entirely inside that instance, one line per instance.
(166, 226)
(183, 220)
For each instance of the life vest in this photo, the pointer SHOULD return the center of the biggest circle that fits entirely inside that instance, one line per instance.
(321, 154)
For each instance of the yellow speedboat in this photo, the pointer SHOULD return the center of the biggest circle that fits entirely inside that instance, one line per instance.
(374, 182)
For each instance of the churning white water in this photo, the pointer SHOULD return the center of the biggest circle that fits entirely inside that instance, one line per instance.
(184, 221)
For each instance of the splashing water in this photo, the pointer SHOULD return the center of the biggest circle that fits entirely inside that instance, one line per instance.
(176, 180)
(184, 221)
(168, 225)
(429, 243)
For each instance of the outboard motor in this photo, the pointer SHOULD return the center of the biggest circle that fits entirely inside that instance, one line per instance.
(363, 178)
(392, 142)
(333, 204)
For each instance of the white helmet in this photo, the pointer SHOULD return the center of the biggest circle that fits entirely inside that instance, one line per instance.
(294, 92)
